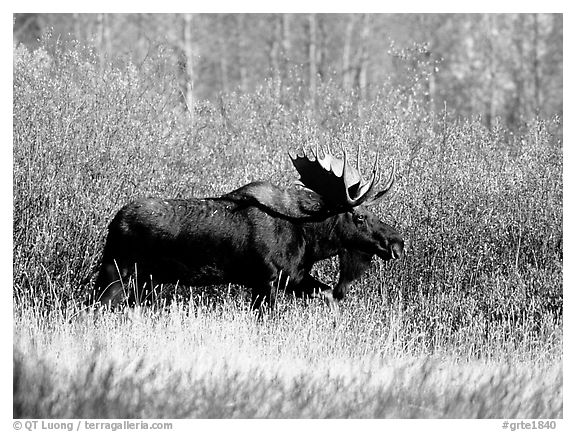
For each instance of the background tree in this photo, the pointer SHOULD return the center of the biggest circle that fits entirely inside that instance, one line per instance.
(506, 66)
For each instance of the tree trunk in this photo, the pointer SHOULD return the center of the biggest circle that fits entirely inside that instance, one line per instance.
(275, 54)
(535, 63)
(312, 55)
(490, 110)
(103, 36)
(517, 108)
(223, 60)
(363, 66)
(286, 44)
(77, 27)
(189, 59)
(241, 37)
(346, 61)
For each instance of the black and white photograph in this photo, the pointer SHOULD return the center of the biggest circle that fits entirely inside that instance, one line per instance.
(287, 215)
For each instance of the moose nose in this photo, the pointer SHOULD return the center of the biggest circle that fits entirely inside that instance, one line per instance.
(397, 249)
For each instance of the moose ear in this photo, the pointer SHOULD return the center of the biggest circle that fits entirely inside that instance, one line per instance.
(295, 203)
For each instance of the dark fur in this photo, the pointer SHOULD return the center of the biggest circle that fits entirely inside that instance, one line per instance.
(248, 237)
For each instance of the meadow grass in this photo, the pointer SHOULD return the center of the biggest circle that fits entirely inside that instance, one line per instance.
(188, 361)
(468, 324)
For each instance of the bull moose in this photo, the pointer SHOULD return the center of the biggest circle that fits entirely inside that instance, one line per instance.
(253, 236)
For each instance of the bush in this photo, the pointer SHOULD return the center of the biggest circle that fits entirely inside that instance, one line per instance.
(481, 210)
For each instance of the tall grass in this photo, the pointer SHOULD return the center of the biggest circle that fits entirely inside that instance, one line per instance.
(193, 362)
(481, 212)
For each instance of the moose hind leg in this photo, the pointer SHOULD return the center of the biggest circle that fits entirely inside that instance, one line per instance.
(110, 289)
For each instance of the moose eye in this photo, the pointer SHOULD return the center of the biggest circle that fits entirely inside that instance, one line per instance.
(359, 218)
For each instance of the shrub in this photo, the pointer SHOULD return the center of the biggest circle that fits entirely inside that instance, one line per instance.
(481, 209)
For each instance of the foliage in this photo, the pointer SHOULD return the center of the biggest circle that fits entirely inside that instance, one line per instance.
(480, 208)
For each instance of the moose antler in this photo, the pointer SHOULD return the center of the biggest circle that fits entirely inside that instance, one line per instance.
(335, 180)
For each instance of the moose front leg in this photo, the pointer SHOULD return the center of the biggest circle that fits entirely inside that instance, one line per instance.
(264, 296)
(353, 264)
(312, 287)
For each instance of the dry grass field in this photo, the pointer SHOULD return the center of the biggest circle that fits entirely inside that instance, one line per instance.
(189, 362)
